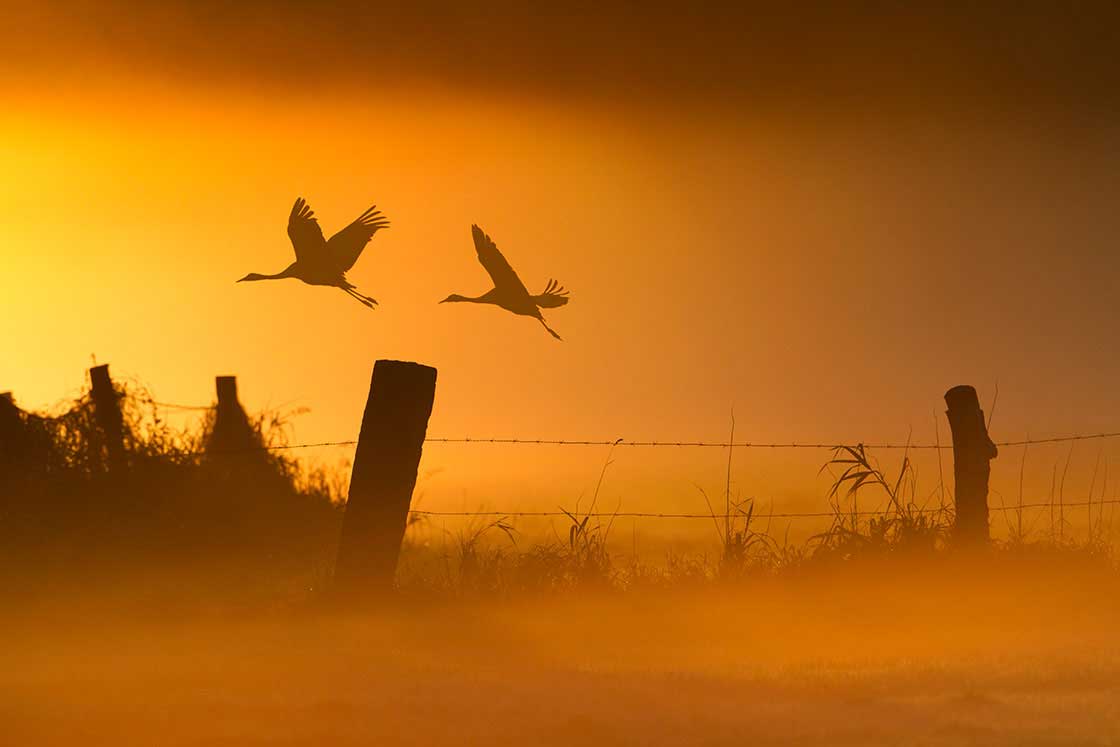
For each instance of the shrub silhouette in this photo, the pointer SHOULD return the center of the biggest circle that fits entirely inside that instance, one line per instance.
(205, 508)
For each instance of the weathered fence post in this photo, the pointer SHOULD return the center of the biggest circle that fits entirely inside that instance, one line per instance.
(232, 434)
(107, 410)
(973, 451)
(226, 387)
(389, 446)
(12, 436)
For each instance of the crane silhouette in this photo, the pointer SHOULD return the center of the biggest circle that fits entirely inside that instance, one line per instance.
(508, 291)
(323, 262)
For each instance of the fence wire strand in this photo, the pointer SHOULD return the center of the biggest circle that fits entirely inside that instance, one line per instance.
(622, 442)
(660, 444)
(723, 444)
(701, 444)
(673, 444)
(767, 515)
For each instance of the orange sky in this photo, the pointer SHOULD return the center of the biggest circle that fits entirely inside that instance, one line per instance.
(827, 272)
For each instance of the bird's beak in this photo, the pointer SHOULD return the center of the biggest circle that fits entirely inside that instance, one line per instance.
(242, 280)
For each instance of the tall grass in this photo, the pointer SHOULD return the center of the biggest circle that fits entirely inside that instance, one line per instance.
(893, 524)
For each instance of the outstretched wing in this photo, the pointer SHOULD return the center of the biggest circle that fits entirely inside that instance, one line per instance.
(552, 296)
(500, 272)
(304, 231)
(346, 246)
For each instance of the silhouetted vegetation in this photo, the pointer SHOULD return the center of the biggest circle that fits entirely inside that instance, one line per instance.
(204, 507)
(905, 537)
(209, 513)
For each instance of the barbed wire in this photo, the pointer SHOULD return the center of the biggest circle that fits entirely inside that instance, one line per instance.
(767, 515)
(281, 447)
(621, 442)
(1060, 439)
(691, 444)
(172, 406)
(672, 444)
(754, 444)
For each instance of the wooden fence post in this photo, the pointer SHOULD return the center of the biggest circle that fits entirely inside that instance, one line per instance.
(226, 387)
(973, 451)
(107, 410)
(232, 435)
(12, 436)
(393, 429)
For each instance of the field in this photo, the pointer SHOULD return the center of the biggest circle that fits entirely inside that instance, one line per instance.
(180, 596)
(594, 374)
(1009, 655)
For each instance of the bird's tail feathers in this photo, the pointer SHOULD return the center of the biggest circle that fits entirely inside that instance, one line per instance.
(552, 296)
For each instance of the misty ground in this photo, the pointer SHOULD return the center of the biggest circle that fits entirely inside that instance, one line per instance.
(952, 655)
(185, 600)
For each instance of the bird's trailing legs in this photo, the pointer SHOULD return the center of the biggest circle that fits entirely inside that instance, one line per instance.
(368, 301)
(551, 331)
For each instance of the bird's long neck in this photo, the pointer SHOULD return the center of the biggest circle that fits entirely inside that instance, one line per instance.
(484, 298)
(285, 273)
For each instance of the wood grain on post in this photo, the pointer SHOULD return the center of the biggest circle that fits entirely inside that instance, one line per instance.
(107, 410)
(388, 454)
(973, 451)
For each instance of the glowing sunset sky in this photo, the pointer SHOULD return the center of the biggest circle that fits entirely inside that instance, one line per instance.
(824, 220)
